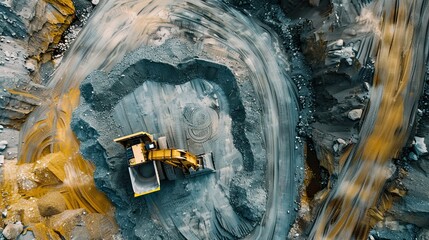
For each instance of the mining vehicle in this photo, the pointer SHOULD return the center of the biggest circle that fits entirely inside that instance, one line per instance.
(150, 161)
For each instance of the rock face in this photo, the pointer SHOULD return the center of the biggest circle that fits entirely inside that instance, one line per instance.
(339, 57)
(11, 23)
(414, 207)
(42, 21)
(52, 203)
(342, 40)
(336, 97)
(18, 92)
(51, 19)
(30, 31)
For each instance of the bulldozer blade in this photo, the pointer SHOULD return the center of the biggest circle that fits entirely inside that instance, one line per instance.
(207, 166)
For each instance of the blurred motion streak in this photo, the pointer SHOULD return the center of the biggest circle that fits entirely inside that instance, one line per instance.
(398, 82)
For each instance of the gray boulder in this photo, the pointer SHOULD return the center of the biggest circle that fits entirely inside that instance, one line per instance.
(12, 230)
(355, 114)
(420, 146)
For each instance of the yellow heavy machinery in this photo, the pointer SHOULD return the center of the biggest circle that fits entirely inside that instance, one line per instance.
(151, 161)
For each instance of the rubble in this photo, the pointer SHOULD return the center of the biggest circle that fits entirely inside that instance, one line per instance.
(12, 230)
(423, 234)
(78, 224)
(339, 145)
(25, 178)
(52, 203)
(248, 201)
(50, 169)
(366, 86)
(345, 53)
(420, 146)
(15, 106)
(355, 114)
(3, 145)
(65, 222)
(27, 211)
(412, 156)
(97, 226)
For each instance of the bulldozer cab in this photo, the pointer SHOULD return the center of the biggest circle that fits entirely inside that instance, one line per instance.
(143, 173)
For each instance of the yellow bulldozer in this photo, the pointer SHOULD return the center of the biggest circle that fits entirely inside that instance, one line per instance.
(150, 161)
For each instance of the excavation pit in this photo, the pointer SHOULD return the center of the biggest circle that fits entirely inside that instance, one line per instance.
(197, 105)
